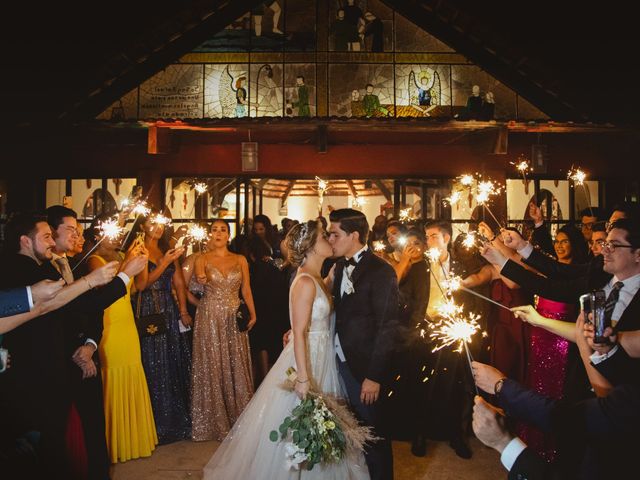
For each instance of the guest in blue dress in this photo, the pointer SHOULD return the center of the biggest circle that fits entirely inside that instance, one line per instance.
(166, 357)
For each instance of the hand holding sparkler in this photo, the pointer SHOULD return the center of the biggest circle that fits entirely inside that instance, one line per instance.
(512, 239)
(103, 275)
(535, 212)
(108, 229)
(493, 256)
(486, 377)
(528, 314)
(489, 425)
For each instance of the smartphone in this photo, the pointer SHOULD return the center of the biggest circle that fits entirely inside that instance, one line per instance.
(600, 320)
(585, 306)
(4, 357)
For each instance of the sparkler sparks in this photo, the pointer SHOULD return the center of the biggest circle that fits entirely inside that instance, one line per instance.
(454, 198)
(433, 254)
(456, 329)
(469, 241)
(200, 187)
(160, 219)
(197, 233)
(378, 246)
(466, 179)
(141, 208)
(452, 284)
(110, 229)
(577, 175)
(402, 241)
(405, 215)
(486, 189)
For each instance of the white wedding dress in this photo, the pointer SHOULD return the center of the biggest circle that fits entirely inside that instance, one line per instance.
(247, 452)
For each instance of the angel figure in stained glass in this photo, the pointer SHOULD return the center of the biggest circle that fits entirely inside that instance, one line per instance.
(424, 95)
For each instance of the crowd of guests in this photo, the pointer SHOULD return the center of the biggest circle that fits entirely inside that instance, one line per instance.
(118, 345)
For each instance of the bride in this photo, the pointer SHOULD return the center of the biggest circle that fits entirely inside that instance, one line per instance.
(247, 452)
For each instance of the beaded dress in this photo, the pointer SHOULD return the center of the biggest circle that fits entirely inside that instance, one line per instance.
(222, 382)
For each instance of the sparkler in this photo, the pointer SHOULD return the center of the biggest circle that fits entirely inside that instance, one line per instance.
(485, 190)
(455, 283)
(433, 254)
(196, 234)
(402, 241)
(139, 208)
(466, 180)
(108, 229)
(454, 198)
(378, 246)
(405, 215)
(469, 241)
(456, 329)
(523, 166)
(200, 187)
(578, 176)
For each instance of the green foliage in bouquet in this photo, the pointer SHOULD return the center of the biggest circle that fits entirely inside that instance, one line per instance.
(313, 433)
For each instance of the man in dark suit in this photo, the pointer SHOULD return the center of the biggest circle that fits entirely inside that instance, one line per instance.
(608, 424)
(37, 389)
(83, 334)
(365, 290)
(449, 412)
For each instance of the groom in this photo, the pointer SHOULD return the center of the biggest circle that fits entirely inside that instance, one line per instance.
(365, 290)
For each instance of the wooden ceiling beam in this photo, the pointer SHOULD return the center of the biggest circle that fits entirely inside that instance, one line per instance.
(286, 193)
(381, 186)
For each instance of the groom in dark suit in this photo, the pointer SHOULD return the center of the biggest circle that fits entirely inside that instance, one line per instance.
(365, 291)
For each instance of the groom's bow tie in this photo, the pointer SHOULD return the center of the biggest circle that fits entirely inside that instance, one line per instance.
(351, 261)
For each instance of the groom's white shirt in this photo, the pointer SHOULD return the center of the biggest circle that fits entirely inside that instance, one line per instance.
(348, 270)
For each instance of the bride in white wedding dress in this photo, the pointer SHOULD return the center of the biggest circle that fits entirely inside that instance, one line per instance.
(247, 452)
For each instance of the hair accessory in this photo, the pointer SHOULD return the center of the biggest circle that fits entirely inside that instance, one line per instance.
(304, 230)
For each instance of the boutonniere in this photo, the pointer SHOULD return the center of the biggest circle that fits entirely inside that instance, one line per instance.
(349, 289)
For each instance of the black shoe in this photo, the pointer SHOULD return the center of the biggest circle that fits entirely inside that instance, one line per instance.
(419, 446)
(461, 448)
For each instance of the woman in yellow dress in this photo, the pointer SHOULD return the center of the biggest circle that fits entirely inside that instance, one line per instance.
(130, 426)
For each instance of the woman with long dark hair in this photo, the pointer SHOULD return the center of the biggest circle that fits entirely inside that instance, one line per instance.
(130, 425)
(166, 357)
(550, 355)
(263, 228)
(222, 383)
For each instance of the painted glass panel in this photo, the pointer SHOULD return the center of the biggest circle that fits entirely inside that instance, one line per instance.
(300, 90)
(176, 92)
(226, 91)
(266, 90)
(423, 90)
(364, 90)
(479, 96)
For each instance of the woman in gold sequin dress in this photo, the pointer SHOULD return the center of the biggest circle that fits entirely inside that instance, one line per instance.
(222, 382)
(247, 452)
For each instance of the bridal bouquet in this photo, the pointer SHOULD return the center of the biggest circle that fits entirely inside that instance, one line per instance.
(319, 430)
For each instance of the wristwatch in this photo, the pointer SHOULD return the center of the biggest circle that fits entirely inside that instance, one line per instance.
(498, 386)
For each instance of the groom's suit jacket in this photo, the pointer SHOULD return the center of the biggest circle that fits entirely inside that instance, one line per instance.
(367, 319)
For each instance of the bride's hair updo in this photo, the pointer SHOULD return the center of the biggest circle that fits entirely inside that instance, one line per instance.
(300, 240)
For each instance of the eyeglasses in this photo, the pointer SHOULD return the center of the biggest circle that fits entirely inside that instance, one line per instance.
(611, 247)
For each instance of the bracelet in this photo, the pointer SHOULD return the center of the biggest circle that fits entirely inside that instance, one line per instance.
(88, 282)
(184, 313)
(300, 381)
